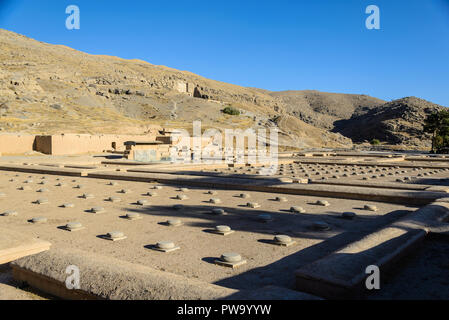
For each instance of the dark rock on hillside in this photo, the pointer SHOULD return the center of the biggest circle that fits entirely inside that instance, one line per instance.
(396, 122)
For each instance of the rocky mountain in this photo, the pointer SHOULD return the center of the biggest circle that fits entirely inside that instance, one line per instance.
(50, 89)
(396, 122)
(322, 109)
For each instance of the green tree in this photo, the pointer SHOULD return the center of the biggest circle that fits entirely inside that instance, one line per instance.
(437, 124)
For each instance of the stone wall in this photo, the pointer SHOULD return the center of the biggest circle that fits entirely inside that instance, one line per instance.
(185, 87)
(43, 144)
(16, 143)
(69, 144)
(66, 144)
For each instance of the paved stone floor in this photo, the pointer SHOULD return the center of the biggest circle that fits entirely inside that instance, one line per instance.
(198, 247)
(65, 199)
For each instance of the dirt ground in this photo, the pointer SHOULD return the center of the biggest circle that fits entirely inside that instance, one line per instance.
(424, 275)
(267, 263)
(10, 290)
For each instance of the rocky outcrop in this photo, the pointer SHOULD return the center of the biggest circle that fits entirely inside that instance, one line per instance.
(322, 109)
(396, 122)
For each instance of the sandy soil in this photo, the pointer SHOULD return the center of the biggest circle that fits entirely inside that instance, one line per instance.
(335, 172)
(424, 275)
(9, 289)
(267, 263)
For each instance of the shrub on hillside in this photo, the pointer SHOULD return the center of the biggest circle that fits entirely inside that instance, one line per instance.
(231, 111)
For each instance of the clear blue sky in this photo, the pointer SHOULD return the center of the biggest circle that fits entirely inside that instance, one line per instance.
(275, 45)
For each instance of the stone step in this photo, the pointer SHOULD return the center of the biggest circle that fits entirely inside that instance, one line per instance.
(108, 278)
(14, 245)
(342, 274)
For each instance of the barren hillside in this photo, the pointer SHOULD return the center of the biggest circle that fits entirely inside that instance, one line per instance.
(396, 122)
(322, 109)
(50, 89)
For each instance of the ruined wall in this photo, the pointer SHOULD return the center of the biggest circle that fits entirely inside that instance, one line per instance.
(43, 144)
(185, 87)
(16, 143)
(66, 144)
(181, 86)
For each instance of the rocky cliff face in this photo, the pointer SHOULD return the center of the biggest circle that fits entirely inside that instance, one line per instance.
(396, 122)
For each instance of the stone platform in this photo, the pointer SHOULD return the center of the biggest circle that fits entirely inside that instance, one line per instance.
(140, 206)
